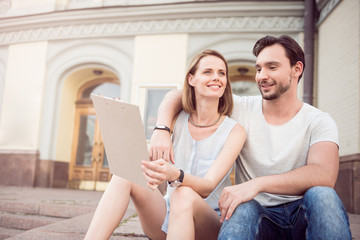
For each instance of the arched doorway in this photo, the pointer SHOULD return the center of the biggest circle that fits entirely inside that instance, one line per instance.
(89, 169)
(242, 77)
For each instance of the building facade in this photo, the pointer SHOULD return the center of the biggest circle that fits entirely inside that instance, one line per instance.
(55, 53)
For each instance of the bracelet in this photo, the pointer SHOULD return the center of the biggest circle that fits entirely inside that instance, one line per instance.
(162, 127)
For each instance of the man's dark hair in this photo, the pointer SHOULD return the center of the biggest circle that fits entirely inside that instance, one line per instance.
(293, 50)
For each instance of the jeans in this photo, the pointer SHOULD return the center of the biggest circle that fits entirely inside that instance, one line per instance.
(320, 214)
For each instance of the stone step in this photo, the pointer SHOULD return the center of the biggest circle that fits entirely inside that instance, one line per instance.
(9, 232)
(17, 217)
(75, 229)
(19, 207)
(25, 222)
(46, 209)
(64, 211)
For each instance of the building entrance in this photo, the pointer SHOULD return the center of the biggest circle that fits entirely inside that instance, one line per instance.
(89, 169)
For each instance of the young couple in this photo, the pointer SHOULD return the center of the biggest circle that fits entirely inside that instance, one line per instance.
(286, 154)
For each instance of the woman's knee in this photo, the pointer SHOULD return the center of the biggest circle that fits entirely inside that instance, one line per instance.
(183, 198)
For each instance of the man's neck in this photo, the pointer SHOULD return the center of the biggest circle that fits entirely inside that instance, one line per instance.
(281, 110)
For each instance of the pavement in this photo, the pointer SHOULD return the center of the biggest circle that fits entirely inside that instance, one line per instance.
(64, 214)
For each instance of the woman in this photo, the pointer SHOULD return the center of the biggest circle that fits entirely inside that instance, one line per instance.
(206, 144)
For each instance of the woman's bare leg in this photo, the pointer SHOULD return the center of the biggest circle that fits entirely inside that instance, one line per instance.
(151, 208)
(113, 205)
(191, 217)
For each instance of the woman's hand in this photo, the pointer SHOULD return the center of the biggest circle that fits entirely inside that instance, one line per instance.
(161, 146)
(158, 171)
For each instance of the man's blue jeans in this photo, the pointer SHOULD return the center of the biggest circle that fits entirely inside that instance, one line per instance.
(320, 214)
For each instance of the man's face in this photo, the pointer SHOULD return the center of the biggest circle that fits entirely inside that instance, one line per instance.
(273, 72)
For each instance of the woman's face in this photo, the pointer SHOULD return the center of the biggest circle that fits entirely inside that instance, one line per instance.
(210, 78)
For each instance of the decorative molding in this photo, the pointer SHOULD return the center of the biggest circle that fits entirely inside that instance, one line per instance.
(326, 7)
(192, 17)
(192, 25)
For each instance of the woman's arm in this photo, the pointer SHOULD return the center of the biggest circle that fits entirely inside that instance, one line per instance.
(221, 166)
(159, 171)
(160, 143)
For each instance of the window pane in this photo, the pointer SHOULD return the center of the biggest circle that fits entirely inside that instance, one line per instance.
(86, 140)
(107, 89)
(105, 161)
(154, 98)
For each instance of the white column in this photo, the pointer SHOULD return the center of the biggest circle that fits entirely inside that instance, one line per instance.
(23, 92)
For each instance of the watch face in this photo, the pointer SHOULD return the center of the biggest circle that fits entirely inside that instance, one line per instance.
(175, 184)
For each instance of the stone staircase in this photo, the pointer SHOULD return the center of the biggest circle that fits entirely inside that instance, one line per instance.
(56, 214)
(64, 214)
(16, 218)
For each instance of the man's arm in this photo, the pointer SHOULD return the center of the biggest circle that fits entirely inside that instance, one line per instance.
(321, 170)
(160, 143)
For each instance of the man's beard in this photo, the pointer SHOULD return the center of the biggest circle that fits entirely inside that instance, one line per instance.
(280, 90)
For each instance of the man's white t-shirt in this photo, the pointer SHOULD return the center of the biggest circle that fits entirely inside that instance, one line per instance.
(274, 149)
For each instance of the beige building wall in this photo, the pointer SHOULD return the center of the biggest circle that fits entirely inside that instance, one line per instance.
(23, 92)
(16, 4)
(159, 61)
(339, 72)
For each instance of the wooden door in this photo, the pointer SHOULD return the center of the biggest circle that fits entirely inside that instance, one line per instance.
(89, 169)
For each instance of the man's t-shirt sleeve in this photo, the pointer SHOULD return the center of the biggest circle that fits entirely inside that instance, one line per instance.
(324, 129)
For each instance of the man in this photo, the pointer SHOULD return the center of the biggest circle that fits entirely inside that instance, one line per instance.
(288, 167)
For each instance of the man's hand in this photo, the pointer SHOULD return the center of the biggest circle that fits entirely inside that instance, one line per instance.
(233, 196)
(161, 146)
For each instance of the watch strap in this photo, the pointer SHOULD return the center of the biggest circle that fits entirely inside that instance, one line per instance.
(162, 127)
(180, 179)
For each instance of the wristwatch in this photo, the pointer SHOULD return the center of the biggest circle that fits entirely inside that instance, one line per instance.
(162, 127)
(177, 182)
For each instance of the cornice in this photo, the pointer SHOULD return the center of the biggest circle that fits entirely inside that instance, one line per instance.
(128, 21)
(203, 25)
(326, 7)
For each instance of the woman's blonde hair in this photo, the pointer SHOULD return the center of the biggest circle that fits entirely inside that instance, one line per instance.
(188, 97)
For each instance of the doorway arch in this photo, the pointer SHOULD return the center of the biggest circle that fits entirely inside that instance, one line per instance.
(242, 77)
(69, 57)
(89, 169)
